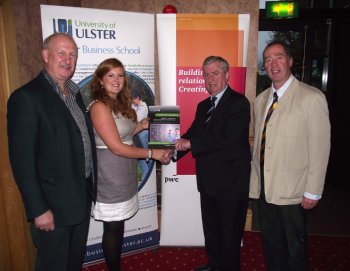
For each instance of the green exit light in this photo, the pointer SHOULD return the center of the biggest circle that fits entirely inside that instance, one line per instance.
(282, 9)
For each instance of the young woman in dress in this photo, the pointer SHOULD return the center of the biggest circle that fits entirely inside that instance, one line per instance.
(115, 124)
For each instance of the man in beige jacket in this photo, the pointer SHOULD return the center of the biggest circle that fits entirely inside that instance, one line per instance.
(290, 159)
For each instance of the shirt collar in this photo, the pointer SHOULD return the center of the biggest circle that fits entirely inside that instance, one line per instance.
(282, 89)
(70, 85)
(219, 95)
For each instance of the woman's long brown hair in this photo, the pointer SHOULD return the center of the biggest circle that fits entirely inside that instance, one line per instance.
(122, 103)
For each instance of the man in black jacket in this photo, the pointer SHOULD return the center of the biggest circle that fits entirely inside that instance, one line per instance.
(219, 141)
(52, 154)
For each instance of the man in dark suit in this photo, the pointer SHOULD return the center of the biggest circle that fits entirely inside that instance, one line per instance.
(219, 141)
(52, 154)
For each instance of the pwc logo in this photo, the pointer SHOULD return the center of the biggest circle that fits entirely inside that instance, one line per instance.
(63, 26)
(171, 179)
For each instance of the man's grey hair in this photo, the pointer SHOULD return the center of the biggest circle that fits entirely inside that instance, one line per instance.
(223, 62)
(47, 41)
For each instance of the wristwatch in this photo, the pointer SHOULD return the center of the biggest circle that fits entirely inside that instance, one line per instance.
(149, 154)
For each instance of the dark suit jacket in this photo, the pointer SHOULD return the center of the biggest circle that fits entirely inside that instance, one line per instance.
(47, 153)
(221, 147)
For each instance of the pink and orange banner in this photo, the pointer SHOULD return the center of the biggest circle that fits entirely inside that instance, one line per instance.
(184, 41)
(198, 36)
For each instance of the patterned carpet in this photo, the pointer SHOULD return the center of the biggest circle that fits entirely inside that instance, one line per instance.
(325, 254)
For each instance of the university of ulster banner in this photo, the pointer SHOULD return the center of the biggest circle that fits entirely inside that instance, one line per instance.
(128, 36)
(184, 41)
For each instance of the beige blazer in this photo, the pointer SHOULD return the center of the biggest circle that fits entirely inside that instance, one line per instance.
(297, 145)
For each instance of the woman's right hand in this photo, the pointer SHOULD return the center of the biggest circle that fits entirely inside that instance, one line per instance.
(162, 155)
(157, 154)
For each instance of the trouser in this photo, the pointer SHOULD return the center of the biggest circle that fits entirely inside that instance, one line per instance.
(284, 232)
(223, 220)
(62, 249)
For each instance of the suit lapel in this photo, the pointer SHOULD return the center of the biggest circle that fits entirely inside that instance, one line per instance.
(260, 114)
(288, 95)
(218, 108)
(53, 100)
(285, 100)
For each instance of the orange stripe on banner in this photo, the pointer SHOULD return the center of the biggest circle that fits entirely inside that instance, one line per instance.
(206, 22)
(193, 46)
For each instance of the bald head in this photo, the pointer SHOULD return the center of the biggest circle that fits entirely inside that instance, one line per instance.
(60, 55)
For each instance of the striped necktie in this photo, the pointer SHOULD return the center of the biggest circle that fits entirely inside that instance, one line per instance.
(211, 109)
(263, 136)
